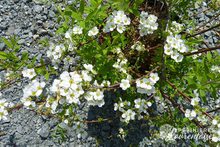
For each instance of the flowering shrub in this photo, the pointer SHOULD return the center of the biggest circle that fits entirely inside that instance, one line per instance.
(132, 48)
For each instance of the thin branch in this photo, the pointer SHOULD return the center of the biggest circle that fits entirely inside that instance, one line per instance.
(181, 109)
(186, 97)
(214, 110)
(132, 82)
(203, 31)
(202, 50)
(180, 92)
(213, 18)
(194, 15)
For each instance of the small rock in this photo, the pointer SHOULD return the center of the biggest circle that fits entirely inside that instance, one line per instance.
(15, 1)
(44, 131)
(17, 31)
(21, 41)
(42, 32)
(51, 14)
(35, 37)
(37, 9)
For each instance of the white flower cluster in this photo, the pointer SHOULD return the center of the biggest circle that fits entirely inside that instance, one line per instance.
(77, 30)
(3, 111)
(29, 73)
(55, 52)
(175, 28)
(140, 106)
(146, 85)
(174, 45)
(94, 31)
(215, 129)
(191, 114)
(121, 65)
(138, 46)
(34, 89)
(148, 23)
(117, 20)
(127, 114)
(215, 68)
(95, 98)
(70, 87)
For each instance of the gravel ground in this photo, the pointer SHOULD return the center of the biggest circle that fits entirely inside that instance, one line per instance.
(31, 21)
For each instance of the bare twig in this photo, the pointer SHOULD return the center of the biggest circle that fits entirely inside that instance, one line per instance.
(132, 82)
(214, 110)
(213, 18)
(203, 31)
(186, 97)
(181, 109)
(202, 50)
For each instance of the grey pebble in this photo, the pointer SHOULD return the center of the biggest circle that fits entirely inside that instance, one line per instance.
(44, 131)
(21, 41)
(37, 8)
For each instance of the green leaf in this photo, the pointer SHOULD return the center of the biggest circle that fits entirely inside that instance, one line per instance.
(68, 13)
(47, 75)
(82, 6)
(3, 55)
(7, 42)
(209, 56)
(76, 16)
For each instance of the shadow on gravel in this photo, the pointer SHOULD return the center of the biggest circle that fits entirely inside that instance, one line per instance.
(106, 132)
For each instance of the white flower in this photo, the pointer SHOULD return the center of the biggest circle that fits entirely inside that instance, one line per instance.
(168, 50)
(29, 73)
(94, 31)
(128, 115)
(95, 98)
(214, 122)
(39, 88)
(98, 95)
(120, 28)
(195, 101)
(148, 23)
(154, 77)
(117, 19)
(88, 67)
(3, 103)
(3, 114)
(35, 88)
(86, 76)
(149, 104)
(125, 84)
(73, 97)
(27, 102)
(68, 34)
(215, 139)
(191, 114)
(144, 14)
(144, 83)
(77, 30)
